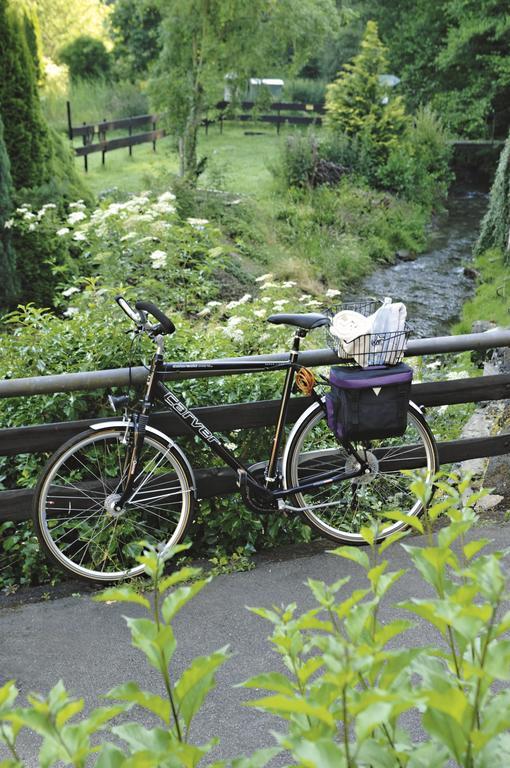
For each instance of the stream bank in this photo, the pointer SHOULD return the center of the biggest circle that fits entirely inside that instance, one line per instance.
(435, 285)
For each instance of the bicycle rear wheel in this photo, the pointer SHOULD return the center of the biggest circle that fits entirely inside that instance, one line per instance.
(339, 510)
(75, 514)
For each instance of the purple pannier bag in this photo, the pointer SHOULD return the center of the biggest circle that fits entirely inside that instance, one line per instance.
(368, 404)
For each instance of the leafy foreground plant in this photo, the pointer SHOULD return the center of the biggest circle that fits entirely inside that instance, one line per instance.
(347, 687)
(167, 745)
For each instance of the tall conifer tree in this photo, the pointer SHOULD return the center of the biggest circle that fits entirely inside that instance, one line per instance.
(8, 282)
(25, 131)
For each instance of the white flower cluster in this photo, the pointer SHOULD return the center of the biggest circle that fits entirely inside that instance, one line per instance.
(232, 331)
(239, 302)
(197, 223)
(158, 259)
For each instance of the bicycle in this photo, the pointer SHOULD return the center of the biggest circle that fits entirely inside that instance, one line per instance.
(124, 481)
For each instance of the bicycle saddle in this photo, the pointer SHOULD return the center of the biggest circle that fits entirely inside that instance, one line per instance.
(308, 322)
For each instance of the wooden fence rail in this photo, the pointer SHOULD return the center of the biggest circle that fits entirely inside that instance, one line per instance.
(87, 131)
(16, 504)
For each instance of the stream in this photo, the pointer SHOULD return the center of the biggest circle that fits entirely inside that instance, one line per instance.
(434, 286)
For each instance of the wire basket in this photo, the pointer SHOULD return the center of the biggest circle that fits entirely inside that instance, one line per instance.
(369, 349)
(365, 307)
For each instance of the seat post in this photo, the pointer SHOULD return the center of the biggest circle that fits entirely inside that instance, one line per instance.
(271, 475)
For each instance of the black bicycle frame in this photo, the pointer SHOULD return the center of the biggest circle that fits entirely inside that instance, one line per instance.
(164, 394)
(156, 390)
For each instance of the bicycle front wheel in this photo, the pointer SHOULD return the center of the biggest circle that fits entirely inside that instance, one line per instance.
(338, 510)
(75, 511)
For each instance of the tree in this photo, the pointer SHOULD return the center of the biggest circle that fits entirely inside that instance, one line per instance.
(8, 284)
(359, 104)
(204, 40)
(452, 54)
(63, 20)
(86, 57)
(25, 132)
(495, 228)
(27, 14)
(134, 28)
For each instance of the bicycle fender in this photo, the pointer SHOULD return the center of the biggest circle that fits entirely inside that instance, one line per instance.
(157, 432)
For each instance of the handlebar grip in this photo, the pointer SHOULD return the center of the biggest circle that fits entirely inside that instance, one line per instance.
(127, 308)
(166, 324)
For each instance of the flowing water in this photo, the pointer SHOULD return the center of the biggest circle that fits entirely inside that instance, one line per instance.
(434, 286)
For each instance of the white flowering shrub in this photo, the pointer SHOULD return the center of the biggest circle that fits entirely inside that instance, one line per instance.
(142, 248)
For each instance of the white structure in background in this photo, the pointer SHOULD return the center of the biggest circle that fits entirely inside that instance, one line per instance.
(255, 84)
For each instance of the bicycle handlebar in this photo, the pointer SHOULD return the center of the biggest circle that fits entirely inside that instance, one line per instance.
(164, 326)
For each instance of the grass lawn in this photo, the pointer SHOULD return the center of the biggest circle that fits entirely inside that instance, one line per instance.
(235, 161)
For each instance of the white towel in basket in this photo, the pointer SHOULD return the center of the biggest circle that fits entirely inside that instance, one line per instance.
(348, 326)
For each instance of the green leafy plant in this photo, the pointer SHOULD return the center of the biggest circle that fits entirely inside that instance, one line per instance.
(66, 739)
(347, 685)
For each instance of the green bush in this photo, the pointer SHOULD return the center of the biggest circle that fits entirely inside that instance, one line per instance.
(418, 167)
(43, 259)
(86, 57)
(296, 161)
(305, 91)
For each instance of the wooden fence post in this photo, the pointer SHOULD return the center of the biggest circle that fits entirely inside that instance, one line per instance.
(154, 142)
(85, 156)
(69, 121)
(102, 137)
(130, 130)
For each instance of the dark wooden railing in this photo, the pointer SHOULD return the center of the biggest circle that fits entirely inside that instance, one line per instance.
(16, 504)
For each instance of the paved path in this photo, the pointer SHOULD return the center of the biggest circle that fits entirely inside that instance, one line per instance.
(88, 646)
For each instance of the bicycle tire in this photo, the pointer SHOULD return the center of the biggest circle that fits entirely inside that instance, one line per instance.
(75, 520)
(345, 506)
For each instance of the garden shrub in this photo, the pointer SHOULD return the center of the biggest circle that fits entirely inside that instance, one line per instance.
(416, 168)
(345, 689)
